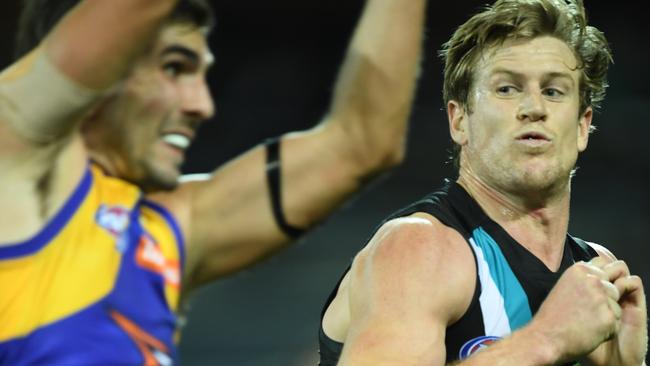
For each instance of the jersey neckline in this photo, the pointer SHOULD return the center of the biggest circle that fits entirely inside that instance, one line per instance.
(54, 226)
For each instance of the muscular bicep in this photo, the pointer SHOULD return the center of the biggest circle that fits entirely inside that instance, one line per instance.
(231, 224)
(401, 335)
(400, 296)
(226, 218)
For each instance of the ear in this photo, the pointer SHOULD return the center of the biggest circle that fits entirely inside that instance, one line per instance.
(584, 127)
(457, 122)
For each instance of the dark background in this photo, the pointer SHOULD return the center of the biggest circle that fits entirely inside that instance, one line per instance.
(276, 63)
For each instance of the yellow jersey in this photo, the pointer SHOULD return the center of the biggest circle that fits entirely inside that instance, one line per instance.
(98, 285)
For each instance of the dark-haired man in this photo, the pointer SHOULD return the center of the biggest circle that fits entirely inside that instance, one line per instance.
(101, 238)
(483, 271)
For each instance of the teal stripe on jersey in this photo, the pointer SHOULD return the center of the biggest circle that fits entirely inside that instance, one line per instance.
(515, 299)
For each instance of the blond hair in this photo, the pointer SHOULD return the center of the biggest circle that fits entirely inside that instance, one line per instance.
(526, 19)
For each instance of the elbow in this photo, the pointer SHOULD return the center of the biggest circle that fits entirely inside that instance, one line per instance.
(386, 147)
(157, 9)
(149, 12)
(368, 142)
(379, 157)
(378, 141)
(395, 156)
(158, 3)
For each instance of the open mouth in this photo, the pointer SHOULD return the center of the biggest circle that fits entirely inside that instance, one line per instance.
(177, 140)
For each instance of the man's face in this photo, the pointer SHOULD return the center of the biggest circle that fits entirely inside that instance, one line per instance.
(149, 121)
(525, 130)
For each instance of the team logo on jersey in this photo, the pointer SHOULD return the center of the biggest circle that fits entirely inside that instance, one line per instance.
(475, 345)
(115, 220)
(149, 256)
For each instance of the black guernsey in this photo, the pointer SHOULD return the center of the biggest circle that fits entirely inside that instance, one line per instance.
(511, 282)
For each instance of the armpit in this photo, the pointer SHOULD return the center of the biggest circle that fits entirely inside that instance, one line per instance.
(40, 103)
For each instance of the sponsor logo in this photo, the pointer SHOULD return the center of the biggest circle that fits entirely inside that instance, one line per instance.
(475, 345)
(115, 220)
(149, 256)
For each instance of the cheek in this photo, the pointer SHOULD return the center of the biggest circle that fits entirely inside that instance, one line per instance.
(482, 141)
(571, 142)
(484, 131)
(153, 92)
(571, 131)
(149, 109)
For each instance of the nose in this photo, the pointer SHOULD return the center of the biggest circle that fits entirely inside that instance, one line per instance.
(532, 107)
(197, 100)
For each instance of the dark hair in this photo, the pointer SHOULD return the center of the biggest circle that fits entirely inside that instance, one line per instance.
(38, 17)
(526, 19)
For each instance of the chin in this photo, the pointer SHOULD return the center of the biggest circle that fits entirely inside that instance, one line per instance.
(541, 180)
(156, 180)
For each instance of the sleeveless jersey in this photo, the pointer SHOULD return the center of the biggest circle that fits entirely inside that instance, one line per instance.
(98, 285)
(511, 282)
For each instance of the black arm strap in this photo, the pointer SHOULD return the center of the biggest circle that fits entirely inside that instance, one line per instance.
(273, 174)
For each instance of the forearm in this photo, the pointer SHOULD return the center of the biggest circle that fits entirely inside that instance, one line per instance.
(45, 93)
(111, 34)
(365, 129)
(525, 347)
(375, 88)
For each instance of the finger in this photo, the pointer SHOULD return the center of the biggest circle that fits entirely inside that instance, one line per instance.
(631, 287)
(616, 270)
(599, 262)
(616, 310)
(612, 291)
(592, 270)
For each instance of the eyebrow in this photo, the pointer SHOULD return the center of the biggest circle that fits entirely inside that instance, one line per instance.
(189, 53)
(545, 78)
(558, 75)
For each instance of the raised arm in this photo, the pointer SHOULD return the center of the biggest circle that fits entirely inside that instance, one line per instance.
(89, 49)
(45, 94)
(229, 222)
(365, 129)
(96, 42)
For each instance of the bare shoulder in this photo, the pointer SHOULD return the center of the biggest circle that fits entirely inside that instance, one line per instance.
(421, 256)
(414, 278)
(419, 238)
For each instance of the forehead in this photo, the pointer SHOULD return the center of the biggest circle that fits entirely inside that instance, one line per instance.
(185, 36)
(531, 57)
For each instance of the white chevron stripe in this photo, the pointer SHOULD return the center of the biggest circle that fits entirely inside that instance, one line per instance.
(495, 319)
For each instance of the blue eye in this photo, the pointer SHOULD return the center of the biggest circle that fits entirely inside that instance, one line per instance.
(506, 90)
(552, 92)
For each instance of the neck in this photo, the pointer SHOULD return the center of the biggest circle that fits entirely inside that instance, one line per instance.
(108, 165)
(538, 221)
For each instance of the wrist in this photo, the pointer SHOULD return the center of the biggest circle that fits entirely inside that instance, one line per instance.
(540, 346)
